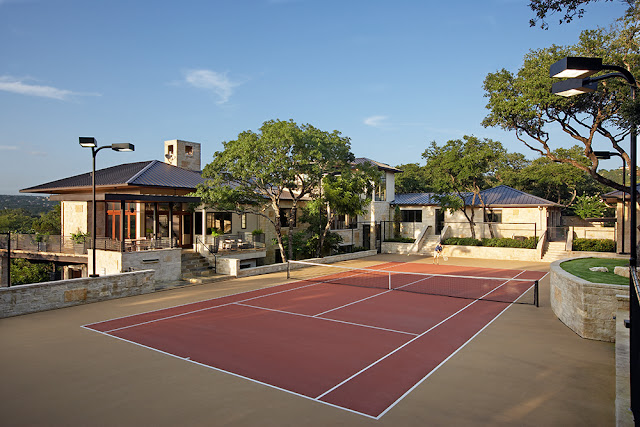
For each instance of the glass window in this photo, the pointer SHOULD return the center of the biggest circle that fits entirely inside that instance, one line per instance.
(219, 220)
(410, 215)
(243, 221)
(381, 191)
(493, 216)
(284, 217)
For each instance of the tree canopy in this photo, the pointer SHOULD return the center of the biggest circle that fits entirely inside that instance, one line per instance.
(283, 161)
(461, 166)
(523, 103)
(571, 9)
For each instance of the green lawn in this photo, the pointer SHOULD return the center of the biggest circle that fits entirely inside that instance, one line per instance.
(580, 268)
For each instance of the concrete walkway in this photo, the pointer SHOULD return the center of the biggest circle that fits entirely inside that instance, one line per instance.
(526, 368)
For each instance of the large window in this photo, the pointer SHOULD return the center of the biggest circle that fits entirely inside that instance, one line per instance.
(493, 216)
(381, 190)
(114, 212)
(220, 221)
(411, 215)
(342, 222)
(284, 217)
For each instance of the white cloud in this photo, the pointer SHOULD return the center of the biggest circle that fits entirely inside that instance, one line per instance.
(8, 147)
(15, 85)
(375, 121)
(218, 83)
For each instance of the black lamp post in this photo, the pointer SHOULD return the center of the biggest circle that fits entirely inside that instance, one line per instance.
(578, 70)
(90, 142)
(606, 155)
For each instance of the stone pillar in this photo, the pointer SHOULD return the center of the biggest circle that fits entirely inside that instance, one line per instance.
(4, 270)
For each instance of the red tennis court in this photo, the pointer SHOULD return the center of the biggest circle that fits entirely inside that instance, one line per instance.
(354, 347)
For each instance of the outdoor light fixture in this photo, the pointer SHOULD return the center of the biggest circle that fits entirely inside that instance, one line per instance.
(580, 69)
(88, 141)
(124, 146)
(573, 87)
(91, 142)
(573, 67)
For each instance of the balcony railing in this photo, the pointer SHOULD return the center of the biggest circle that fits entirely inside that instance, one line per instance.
(65, 245)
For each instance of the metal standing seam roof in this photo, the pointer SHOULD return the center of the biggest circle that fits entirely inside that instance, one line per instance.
(380, 165)
(151, 173)
(501, 195)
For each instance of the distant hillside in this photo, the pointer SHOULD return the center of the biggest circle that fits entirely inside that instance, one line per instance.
(33, 204)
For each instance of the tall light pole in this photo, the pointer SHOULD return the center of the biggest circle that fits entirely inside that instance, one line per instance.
(91, 142)
(578, 70)
(606, 155)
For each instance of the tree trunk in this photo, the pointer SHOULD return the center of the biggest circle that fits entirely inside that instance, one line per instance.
(327, 227)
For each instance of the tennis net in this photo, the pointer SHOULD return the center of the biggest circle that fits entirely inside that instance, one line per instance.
(500, 289)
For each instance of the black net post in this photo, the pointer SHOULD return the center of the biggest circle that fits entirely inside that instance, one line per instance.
(536, 295)
(288, 270)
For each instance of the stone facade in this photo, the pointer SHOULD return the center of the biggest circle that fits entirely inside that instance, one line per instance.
(166, 263)
(589, 309)
(24, 299)
(183, 154)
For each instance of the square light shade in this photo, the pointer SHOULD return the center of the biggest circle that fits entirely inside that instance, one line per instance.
(574, 67)
(88, 141)
(571, 87)
(122, 146)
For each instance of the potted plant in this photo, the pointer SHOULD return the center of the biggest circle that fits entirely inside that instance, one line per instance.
(258, 235)
(215, 238)
(40, 241)
(79, 239)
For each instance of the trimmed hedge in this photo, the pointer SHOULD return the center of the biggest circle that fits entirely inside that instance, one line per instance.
(400, 239)
(594, 245)
(462, 241)
(528, 243)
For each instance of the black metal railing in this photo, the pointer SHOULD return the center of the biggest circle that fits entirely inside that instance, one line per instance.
(634, 342)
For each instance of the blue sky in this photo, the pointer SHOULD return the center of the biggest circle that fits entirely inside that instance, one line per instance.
(391, 75)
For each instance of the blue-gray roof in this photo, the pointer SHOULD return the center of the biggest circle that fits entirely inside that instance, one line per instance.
(152, 173)
(502, 195)
(380, 165)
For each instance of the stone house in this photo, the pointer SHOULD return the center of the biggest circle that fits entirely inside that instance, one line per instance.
(146, 206)
(507, 212)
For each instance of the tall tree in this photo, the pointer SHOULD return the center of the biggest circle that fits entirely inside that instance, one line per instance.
(462, 166)
(571, 9)
(283, 161)
(413, 179)
(559, 182)
(523, 103)
(342, 194)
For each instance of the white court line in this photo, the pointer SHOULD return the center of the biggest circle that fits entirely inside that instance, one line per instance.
(197, 302)
(188, 359)
(408, 342)
(270, 385)
(452, 354)
(206, 308)
(372, 296)
(326, 319)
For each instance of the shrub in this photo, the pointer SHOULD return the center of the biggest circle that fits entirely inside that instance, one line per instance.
(462, 241)
(528, 243)
(594, 245)
(400, 240)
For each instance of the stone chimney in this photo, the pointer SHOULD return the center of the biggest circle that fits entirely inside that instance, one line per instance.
(183, 154)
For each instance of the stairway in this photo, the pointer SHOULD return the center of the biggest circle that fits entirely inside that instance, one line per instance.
(429, 244)
(196, 268)
(555, 251)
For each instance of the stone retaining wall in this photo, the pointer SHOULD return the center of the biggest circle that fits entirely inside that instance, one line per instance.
(31, 298)
(265, 269)
(589, 309)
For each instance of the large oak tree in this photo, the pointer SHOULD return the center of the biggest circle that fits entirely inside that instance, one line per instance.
(257, 171)
(522, 102)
